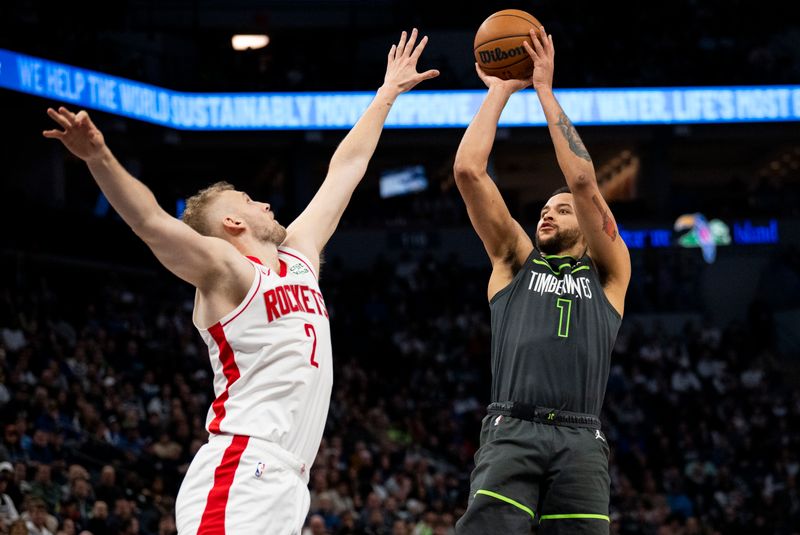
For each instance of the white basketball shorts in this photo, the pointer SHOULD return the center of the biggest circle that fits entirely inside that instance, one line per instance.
(239, 485)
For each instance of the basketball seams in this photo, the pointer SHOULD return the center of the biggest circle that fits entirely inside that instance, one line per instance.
(515, 16)
(499, 39)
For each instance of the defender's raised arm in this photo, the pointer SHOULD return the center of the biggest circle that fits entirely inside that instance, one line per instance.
(313, 228)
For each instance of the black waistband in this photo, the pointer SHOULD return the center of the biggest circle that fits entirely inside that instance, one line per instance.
(544, 415)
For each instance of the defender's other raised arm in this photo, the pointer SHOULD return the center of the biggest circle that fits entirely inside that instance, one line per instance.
(197, 259)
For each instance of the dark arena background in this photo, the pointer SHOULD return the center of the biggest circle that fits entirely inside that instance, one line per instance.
(688, 108)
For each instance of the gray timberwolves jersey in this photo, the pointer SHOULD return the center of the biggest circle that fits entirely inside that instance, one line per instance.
(552, 334)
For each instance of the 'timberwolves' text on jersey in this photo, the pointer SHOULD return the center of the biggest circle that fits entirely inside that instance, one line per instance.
(272, 360)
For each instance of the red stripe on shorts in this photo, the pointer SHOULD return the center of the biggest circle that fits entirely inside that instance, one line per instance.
(229, 368)
(213, 519)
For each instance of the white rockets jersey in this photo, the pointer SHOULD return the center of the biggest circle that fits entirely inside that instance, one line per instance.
(272, 360)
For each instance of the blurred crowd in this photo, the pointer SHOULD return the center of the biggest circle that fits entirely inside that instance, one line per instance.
(104, 388)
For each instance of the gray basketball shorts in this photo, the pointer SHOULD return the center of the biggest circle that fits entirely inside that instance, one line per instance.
(550, 470)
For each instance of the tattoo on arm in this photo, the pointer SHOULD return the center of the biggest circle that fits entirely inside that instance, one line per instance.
(572, 137)
(609, 227)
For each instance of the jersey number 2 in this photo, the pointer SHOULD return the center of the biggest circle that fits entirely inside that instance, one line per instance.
(565, 311)
(311, 333)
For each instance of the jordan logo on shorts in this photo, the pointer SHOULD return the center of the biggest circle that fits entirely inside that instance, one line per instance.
(260, 467)
(498, 420)
(598, 435)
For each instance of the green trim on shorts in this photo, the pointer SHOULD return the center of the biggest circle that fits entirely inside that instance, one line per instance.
(507, 500)
(563, 517)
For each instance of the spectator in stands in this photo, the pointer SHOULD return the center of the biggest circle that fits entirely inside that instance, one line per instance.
(316, 526)
(12, 447)
(98, 522)
(8, 511)
(67, 527)
(38, 521)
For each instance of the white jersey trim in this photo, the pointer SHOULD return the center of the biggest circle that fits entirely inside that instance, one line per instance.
(230, 316)
(300, 256)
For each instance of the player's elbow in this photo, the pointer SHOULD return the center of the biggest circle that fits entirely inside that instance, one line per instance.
(148, 228)
(146, 233)
(348, 165)
(465, 171)
(581, 180)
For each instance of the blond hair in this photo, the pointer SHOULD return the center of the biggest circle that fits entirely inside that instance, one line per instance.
(196, 212)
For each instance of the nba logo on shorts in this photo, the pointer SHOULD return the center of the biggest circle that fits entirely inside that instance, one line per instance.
(260, 467)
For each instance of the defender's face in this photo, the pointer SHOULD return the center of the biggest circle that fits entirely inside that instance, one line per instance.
(558, 228)
(258, 216)
(256, 209)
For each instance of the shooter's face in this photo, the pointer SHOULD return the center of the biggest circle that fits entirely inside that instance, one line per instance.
(558, 229)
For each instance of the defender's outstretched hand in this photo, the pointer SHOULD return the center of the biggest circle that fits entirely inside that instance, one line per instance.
(543, 54)
(401, 68)
(80, 135)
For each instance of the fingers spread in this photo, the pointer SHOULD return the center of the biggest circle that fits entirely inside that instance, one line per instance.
(392, 52)
(427, 75)
(409, 48)
(537, 43)
(64, 111)
(401, 44)
(53, 134)
(420, 47)
(531, 52)
(59, 118)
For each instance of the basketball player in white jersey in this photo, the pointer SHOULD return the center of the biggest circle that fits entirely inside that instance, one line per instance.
(259, 308)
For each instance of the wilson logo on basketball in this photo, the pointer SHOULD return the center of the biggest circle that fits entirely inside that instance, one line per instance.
(498, 54)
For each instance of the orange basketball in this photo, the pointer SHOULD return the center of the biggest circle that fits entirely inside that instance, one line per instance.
(498, 44)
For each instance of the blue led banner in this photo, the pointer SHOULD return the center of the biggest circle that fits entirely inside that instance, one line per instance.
(745, 232)
(417, 109)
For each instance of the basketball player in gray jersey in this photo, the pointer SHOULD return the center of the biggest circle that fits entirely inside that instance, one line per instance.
(556, 302)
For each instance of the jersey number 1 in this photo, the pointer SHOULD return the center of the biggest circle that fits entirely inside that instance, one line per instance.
(565, 311)
(311, 333)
